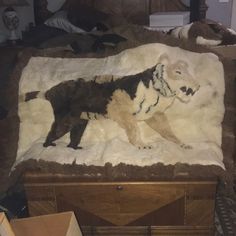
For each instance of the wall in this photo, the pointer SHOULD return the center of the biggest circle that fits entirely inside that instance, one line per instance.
(53, 5)
(220, 11)
(233, 19)
(26, 15)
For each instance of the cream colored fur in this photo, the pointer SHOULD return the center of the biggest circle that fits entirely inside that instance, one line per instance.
(126, 112)
(196, 123)
(210, 42)
(120, 109)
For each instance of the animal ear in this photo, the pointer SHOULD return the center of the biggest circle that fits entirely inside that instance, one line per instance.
(164, 59)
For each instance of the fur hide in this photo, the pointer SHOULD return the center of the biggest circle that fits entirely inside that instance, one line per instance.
(205, 32)
(196, 123)
(126, 100)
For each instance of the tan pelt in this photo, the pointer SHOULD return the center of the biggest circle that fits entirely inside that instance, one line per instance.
(153, 93)
(160, 95)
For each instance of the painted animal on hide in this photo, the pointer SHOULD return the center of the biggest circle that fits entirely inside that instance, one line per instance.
(141, 97)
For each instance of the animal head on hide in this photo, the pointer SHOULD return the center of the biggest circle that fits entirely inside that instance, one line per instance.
(174, 79)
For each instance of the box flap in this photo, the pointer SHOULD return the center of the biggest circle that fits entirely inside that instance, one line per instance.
(46, 225)
(169, 19)
(74, 229)
(5, 228)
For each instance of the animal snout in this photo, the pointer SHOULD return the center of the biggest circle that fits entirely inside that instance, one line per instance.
(188, 91)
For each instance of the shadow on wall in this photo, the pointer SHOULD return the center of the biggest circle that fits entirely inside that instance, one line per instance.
(220, 11)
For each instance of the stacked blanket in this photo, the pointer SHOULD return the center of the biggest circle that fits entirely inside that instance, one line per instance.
(205, 32)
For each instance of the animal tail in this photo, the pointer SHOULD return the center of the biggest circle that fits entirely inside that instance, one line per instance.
(31, 95)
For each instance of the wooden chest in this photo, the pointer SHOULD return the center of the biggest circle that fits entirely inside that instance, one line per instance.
(126, 208)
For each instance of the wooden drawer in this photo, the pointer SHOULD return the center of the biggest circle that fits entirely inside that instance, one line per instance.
(179, 204)
(124, 203)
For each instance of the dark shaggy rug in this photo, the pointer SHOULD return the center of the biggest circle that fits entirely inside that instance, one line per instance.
(225, 213)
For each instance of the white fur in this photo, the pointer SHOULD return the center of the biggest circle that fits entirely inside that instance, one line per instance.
(176, 32)
(232, 31)
(211, 42)
(183, 34)
(150, 95)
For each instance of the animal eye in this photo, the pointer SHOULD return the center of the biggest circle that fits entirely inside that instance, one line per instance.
(178, 72)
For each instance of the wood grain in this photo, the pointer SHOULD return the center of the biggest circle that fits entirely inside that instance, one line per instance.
(186, 204)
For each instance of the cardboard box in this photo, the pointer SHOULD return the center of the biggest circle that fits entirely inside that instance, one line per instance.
(169, 19)
(61, 224)
(226, 51)
(5, 228)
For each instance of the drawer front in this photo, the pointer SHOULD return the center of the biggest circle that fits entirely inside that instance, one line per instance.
(123, 203)
(147, 230)
(130, 204)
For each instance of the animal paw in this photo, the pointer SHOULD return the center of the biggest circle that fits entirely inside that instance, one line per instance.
(185, 146)
(144, 146)
(74, 147)
(49, 144)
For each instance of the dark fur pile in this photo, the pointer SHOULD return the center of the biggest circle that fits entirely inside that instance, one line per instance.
(209, 30)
